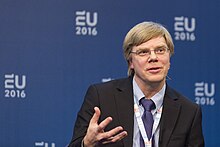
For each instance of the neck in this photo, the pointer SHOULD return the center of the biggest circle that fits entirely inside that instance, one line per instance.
(150, 89)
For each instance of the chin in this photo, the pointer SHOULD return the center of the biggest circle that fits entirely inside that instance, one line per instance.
(156, 79)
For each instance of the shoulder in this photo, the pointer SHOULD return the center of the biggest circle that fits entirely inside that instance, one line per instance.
(180, 98)
(188, 110)
(122, 82)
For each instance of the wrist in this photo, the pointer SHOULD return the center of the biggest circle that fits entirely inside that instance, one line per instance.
(86, 143)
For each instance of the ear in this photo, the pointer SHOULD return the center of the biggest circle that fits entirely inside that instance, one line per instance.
(131, 64)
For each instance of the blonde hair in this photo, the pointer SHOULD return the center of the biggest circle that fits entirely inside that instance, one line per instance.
(144, 32)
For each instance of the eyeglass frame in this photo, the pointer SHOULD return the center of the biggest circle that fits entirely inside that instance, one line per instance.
(140, 53)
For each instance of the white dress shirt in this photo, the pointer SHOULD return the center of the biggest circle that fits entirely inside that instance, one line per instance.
(158, 101)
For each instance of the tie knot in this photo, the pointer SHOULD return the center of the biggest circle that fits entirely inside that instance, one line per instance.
(147, 104)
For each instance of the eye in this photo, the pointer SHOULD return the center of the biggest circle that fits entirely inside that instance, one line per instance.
(160, 50)
(142, 52)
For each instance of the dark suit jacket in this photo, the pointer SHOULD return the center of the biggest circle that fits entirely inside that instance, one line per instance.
(180, 124)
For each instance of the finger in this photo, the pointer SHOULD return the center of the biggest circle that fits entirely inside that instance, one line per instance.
(112, 132)
(104, 123)
(116, 138)
(96, 115)
(119, 136)
(106, 136)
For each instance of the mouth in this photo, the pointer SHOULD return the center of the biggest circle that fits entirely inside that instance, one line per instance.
(154, 69)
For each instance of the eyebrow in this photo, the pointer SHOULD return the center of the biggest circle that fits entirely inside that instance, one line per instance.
(144, 48)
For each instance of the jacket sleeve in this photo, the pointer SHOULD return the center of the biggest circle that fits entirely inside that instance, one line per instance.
(196, 136)
(84, 115)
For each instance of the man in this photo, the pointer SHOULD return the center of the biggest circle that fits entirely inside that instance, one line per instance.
(113, 114)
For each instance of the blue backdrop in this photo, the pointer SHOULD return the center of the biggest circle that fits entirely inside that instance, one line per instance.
(52, 50)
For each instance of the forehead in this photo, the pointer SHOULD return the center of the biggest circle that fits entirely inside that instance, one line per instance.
(152, 43)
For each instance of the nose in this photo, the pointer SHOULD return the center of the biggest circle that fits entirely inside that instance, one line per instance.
(152, 56)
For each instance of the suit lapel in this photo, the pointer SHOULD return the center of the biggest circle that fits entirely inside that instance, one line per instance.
(171, 110)
(124, 104)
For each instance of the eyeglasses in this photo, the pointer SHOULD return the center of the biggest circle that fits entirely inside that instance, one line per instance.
(147, 52)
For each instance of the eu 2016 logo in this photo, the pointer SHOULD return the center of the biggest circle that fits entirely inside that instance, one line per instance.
(15, 86)
(204, 93)
(86, 23)
(184, 28)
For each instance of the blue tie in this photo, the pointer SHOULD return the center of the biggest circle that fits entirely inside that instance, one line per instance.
(147, 118)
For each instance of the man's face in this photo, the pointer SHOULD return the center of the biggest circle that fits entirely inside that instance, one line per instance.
(151, 68)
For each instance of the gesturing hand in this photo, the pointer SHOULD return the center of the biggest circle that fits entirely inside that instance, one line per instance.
(95, 132)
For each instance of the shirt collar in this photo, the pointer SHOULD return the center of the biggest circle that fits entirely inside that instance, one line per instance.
(157, 98)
